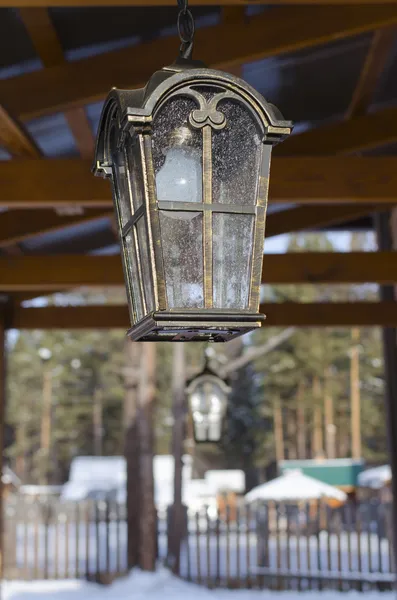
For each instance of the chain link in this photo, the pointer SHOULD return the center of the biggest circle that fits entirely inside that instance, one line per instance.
(186, 29)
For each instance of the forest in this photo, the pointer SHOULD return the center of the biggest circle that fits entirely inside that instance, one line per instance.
(295, 402)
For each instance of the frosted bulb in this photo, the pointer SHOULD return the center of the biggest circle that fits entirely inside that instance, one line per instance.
(216, 404)
(180, 178)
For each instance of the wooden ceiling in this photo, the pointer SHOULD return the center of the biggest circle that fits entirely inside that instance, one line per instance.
(343, 169)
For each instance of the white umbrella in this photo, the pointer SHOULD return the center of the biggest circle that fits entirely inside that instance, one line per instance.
(375, 478)
(295, 486)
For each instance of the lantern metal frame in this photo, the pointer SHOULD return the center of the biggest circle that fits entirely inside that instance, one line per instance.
(132, 112)
(207, 375)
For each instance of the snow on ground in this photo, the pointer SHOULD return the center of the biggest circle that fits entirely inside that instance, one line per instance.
(158, 586)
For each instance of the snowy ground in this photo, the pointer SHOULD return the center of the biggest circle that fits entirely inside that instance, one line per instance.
(159, 586)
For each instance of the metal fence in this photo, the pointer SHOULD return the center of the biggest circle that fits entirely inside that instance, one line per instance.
(282, 547)
(275, 546)
(56, 540)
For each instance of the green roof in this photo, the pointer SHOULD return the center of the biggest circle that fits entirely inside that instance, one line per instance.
(341, 472)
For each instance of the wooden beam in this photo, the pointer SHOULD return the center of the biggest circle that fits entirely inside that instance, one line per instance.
(323, 267)
(283, 29)
(147, 3)
(360, 133)
(354, 314)
(305, 180)
(375, 62)
(303, 218)
(48, 47)
(20, 225)
(36, 273)
(15, 138)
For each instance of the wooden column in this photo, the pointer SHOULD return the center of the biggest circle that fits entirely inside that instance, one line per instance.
(131, 450)
(385, 241)
(177, 518)
(147, 392)
(3, 373)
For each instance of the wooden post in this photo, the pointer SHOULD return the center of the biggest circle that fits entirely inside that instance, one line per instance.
(3, 372)
(177, 518)
(355, 395)
(278, 431)
(97, 421)
(387, 293)
(330, 428)
(147, 392)
(131, 450)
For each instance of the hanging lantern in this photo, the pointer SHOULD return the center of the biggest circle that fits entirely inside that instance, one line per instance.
(207, 396)
(188, 158)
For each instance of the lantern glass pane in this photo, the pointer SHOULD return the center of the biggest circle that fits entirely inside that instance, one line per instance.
(182, 242)
(232, 252)
(236, 155)
(177, 153)
(132, 266)
(145, 263)
(134, 157)
(123, 188)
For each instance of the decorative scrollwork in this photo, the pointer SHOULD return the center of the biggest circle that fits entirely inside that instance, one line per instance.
(207, 116)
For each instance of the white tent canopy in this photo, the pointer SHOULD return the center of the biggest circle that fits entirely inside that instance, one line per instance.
(375, 478)
(295, 486)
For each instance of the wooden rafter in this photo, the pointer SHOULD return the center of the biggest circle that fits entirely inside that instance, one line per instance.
(374, 65)
(354, 314)
(302, 218)
(283, 29)
(343, 141)
(15, 138)
(45, 40)
(20, 225)
(360, 133)
(306, 180)
(146, 3)
(38, 273)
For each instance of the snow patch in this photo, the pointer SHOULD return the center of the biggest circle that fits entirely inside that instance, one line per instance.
(158, 586)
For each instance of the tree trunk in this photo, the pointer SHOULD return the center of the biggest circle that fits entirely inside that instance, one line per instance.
(278, 431)
(318, 442)
(148, 520)
(177, 520)
(291, 429)
(355, 395)
(45, 433)
(131, 450)
(329, 418)
(301, 421)
(97, 421)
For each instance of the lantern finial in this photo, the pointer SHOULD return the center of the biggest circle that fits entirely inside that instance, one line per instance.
(186, 30)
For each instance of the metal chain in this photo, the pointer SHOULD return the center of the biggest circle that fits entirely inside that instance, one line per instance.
(186, 29)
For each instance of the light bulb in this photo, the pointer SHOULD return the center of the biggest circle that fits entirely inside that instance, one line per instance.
(180, 178)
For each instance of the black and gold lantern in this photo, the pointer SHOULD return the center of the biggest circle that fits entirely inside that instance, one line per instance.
(188, 157)
(207, 395)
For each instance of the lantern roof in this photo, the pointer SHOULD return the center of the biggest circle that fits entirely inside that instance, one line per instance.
(207, 372)
(140, 104)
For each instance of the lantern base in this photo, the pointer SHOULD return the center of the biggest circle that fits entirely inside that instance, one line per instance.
(198, 326)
